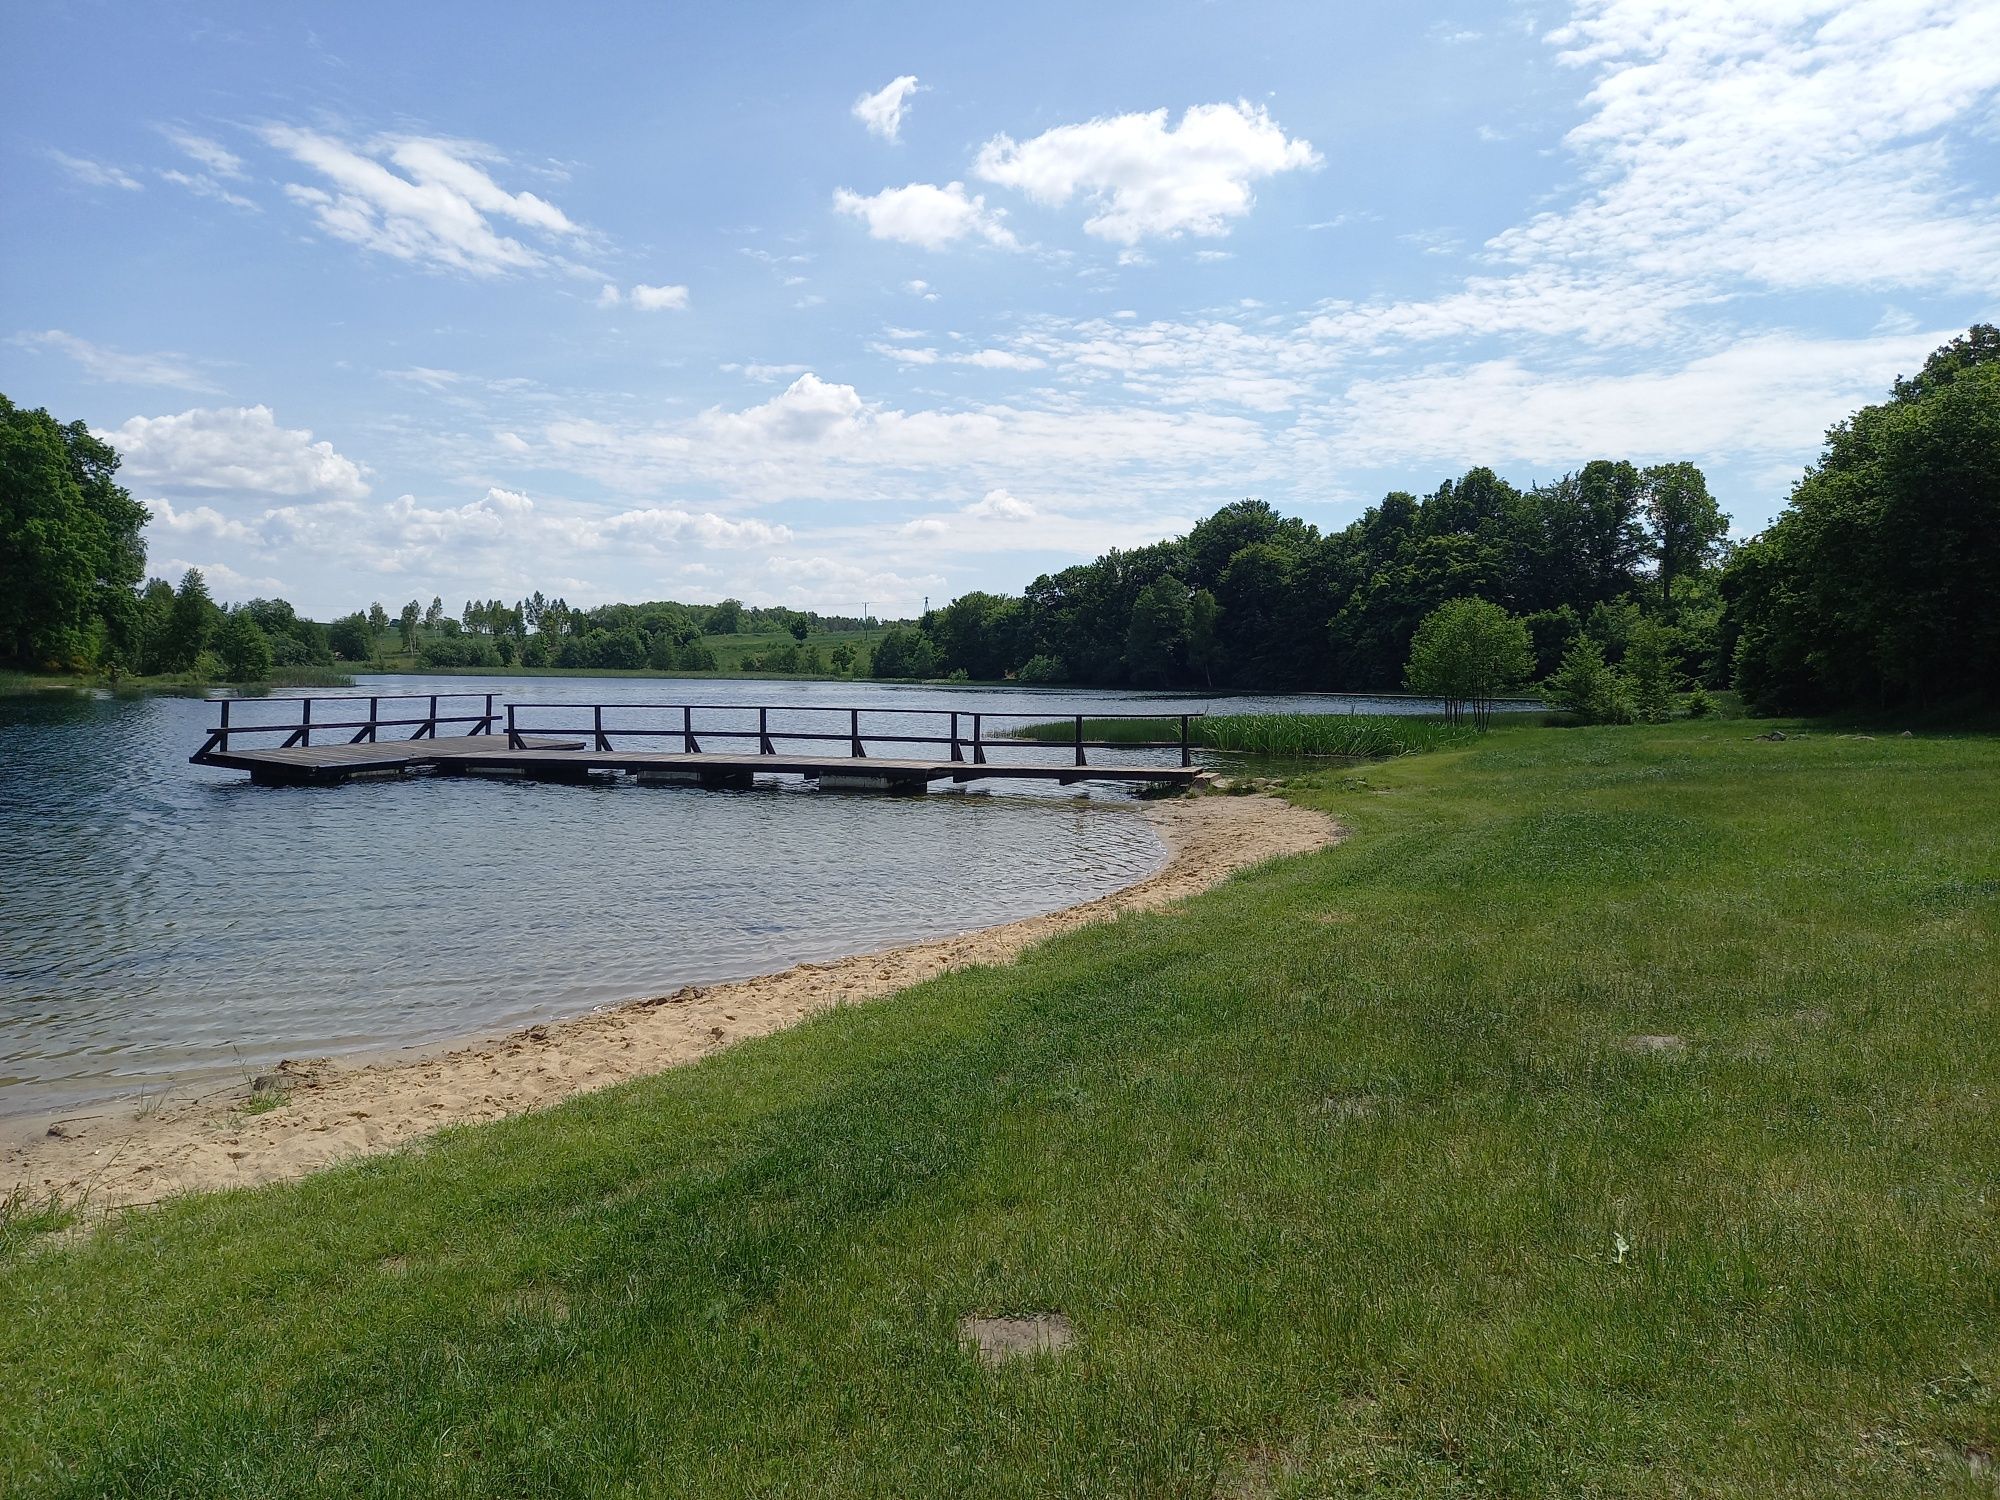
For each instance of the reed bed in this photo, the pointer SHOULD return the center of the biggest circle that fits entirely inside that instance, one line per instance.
(1370, 736)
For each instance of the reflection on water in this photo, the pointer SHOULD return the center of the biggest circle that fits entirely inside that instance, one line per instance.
(159, 920)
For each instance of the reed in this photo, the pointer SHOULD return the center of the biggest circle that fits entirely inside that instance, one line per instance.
(1359, 736)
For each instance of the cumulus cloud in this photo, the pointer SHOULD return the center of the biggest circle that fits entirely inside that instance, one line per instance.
(117, 367)
(927, 215)
(1146, 178)
(882, 111)
(239, 449)
(435, 213)
(1000, 506)
(659, 298)
(196, 520)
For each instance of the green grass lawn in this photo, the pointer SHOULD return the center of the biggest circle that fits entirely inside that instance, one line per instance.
(1348, 1175)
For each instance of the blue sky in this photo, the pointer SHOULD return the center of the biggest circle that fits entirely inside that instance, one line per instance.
(843, 305)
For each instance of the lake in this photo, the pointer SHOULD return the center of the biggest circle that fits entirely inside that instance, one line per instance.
(163, 924)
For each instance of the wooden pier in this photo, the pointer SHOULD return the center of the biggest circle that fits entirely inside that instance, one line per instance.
(677, 743)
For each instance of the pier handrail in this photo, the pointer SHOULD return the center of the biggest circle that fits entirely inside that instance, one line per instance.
(691, 734)
(300, 732)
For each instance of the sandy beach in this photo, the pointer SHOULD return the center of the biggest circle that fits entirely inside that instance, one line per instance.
(322, 1111)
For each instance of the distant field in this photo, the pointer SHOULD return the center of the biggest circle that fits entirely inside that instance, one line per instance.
(730, 652)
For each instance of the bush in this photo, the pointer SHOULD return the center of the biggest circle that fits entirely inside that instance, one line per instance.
(1698, 704)
(1042, 669)
(446, 652)
(1469, 651)
(1585, 686)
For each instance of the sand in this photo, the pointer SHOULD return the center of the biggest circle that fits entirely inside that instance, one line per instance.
(328, 1110)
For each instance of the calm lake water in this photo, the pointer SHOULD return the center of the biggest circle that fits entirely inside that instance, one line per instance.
(165, 924)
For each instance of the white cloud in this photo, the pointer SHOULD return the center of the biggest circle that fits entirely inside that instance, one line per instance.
(659, 298)
(205, 186)
(998, 359)
(198, 520)
(213, 156)
(664, 526)
(96, 173)
(882, 111)
(1146, 178)
(100, 363)
(1000, 506)
(920, 289)
(436, 215)
(225, 582)
(513, 442)
(926, 215)
(925, 526)
(237, 449)
(1768, 396)
(609, 296)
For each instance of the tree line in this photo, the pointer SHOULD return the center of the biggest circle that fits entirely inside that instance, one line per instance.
(1872, 588)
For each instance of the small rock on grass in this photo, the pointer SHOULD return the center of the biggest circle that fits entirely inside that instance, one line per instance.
(998, 1340)
(1655, 1044)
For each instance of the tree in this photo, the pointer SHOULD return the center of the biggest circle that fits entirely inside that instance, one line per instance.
(1649, 675)
(1468, 651)
(800, 627)
(1204, 636)
(435, 613)
(841, 658)
(70, 544)
(378, 621)
(1156, 641)
(1687, 525)
(406, 624)
(190, 624)
(350, 637)
(1875, 586)
(244, 648)
(725, 618)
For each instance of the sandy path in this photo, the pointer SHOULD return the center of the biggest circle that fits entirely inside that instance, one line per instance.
(330, 1111)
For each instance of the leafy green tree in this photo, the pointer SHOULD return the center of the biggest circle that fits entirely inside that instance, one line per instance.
(350, 637)
(800, 627)
(190, 624)
(378, 621)
(1687, 525)
(725, 618)
(1649, 675)
(1875, 587)
(1468, 652)
(1156, 642)
(70, 540)
(1205, 648)
(841, 657)
(244, 648)
(406, 624)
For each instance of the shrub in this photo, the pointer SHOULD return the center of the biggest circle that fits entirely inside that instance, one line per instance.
(1585, 686)
(1469, 651)
(1042, 669)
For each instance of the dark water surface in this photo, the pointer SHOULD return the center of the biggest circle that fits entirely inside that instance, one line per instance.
(162, 923)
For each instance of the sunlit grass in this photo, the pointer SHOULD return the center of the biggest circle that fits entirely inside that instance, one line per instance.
(1281, 735)
(1354, 1176)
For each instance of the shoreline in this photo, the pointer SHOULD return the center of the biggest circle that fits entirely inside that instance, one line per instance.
(323, 1111)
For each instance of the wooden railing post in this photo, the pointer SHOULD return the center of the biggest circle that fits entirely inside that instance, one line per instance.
(597, 727)
(1186, 758)
(764, 745)
(956, 753)
(306, 721)
(223, 727)
(978, 740)
(1079, 739)
(374, 718)
(854, 734)
(513, 736)
(689, 744)
(486, 724)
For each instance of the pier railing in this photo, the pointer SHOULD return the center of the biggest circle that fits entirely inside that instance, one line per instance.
(421, 713)
(961, 732)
